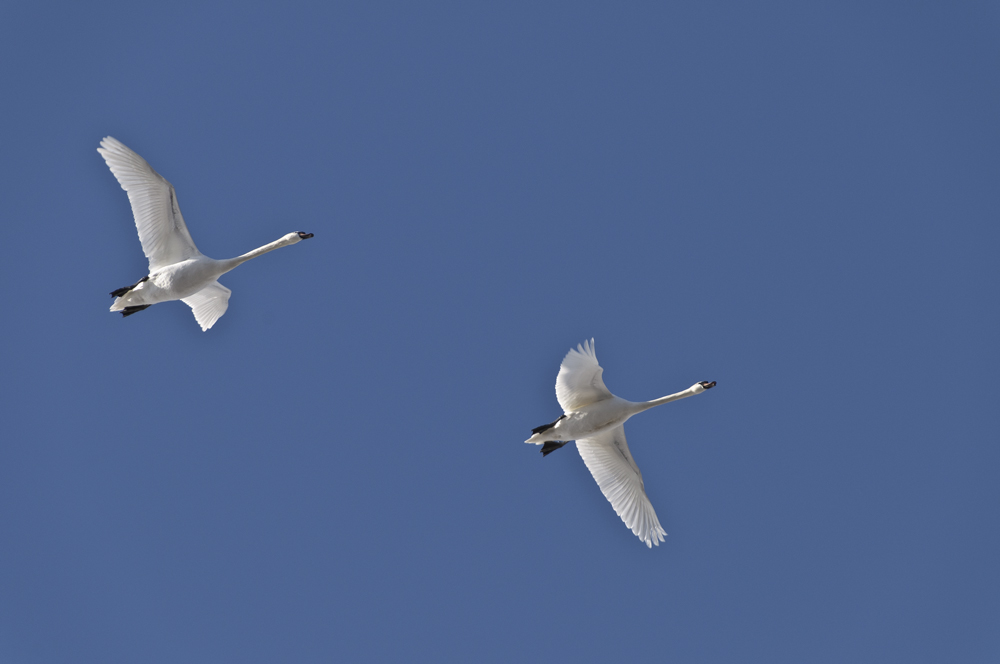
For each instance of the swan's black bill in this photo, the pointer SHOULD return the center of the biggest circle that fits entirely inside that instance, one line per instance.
(707, 385)
(304, 236)
(550, 447)
(128, 311)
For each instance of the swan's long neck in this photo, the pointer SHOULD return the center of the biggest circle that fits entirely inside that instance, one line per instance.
(697, 388)
(291, 238)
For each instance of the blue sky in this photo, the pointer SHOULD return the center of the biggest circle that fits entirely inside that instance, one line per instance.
(797, 200)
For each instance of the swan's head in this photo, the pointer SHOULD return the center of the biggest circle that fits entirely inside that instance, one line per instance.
(698, 388)
(295, 237)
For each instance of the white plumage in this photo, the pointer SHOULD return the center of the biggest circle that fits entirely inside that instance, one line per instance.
(177, 270)
(580, 381)
(594, 418)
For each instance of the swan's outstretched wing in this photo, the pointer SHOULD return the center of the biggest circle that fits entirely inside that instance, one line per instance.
(165, 238)
(579, 382)
(209, 304)
(609, 461)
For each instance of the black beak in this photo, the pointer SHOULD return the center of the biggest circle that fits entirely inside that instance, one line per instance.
(304, 236)
(707, 385)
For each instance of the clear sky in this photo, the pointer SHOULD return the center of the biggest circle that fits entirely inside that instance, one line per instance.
(797, 200)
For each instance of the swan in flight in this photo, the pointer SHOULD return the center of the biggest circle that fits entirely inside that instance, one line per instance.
(594, 418)
(177, 270)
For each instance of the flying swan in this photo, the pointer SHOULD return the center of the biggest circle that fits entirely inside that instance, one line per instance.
(177, 270)
(594, 418)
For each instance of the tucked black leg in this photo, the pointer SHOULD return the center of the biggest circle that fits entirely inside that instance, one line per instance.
(121, 291)
(546, 427)
(128, 311)
(550, 447)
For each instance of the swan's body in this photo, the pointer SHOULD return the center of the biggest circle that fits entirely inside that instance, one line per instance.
(177, 270)
(594, 418)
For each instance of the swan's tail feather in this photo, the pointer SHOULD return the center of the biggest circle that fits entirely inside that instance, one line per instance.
(128, 311)
(551, 446)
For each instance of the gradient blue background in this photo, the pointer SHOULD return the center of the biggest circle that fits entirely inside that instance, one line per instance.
(798, 200)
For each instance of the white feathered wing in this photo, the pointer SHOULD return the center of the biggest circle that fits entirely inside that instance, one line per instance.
(609, 461)
(209, 304)
(162, 232)
(579, 382)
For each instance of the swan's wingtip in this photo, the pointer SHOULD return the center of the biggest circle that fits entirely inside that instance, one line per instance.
(655, 539)
(108, 142)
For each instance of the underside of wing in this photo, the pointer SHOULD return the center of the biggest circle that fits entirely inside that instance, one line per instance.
(579, 382)
(209, 304)
(162, 232)
(609, 461)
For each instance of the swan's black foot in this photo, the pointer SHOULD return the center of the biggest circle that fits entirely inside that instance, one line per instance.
(546, 427)
(128, 311)
(550, 447)
(121, 291)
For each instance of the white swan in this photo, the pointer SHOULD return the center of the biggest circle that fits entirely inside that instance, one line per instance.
(594, 418)
(177, 270)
